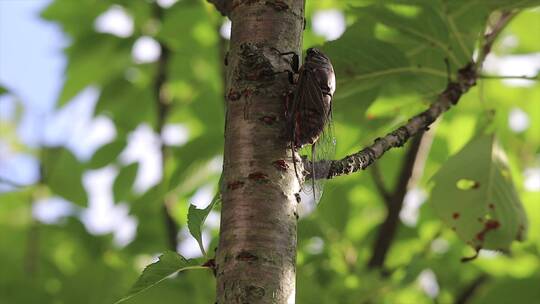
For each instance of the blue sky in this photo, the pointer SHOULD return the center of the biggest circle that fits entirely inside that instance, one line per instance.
(31, 60)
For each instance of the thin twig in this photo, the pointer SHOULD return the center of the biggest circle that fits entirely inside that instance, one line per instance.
(31, 253)
(469, 291)
(491, 36)
(379, 184)
(163, 108)
(388, 228)
(421, 156)
(449, 97)
(534, 78)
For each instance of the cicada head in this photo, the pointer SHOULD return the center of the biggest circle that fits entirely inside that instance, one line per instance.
(315, 54)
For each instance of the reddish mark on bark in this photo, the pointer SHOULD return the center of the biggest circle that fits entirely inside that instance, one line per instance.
(281, 165)
(488, 226)
(235, 185)
(455, 215)
(278, 5)
(258, 177)
(269, 120)
(233, 95)
(246, 257)
(247, 92)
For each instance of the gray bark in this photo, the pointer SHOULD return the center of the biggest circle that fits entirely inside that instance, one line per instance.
(256, 256)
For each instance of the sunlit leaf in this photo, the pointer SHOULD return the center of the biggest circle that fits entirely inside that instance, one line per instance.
(169, 263)
(128, 105)
(62, 172)
(124, 182)
(475, 196)
(106, 154)
(197, 217)
(95, 60)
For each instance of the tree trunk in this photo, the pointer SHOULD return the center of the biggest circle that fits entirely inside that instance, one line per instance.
(256, 255)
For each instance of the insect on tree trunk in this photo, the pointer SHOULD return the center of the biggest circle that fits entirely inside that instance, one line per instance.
(256, 255)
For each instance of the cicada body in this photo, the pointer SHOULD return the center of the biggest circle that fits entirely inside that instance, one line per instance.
(312, 105)
(309, 115)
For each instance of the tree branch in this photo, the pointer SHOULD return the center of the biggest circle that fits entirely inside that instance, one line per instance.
(379, 184)
(389, 227)
(466, 79)
(471, 289)
(163, 108)
(534, 78)
(398, 137)
(223, 6)
(492, 34)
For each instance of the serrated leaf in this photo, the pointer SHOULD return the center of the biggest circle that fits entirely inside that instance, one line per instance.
(196, 218)
(475, 196)
(124, 181)
(169, 263)
(107, 154)
(62, 172)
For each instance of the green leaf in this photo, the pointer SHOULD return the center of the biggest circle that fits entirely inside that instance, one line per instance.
(519, 29)
(95, 60)
(107, 154)
(62, 172)
(124, 181)
(196, 218)
(363, 62)
(76, 18)
(151, 232)
(3, 90)
(169, 263)
(127, 104)
(475, 196)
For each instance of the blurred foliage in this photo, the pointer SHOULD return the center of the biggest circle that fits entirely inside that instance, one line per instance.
(390, 63)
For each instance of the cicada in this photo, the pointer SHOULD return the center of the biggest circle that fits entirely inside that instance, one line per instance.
(309, 115)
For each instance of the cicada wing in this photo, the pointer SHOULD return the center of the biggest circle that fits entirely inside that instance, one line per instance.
(324, 147)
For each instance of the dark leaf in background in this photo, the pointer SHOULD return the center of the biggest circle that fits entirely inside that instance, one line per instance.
(107, 154)
(124, 182)
(62, 172)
